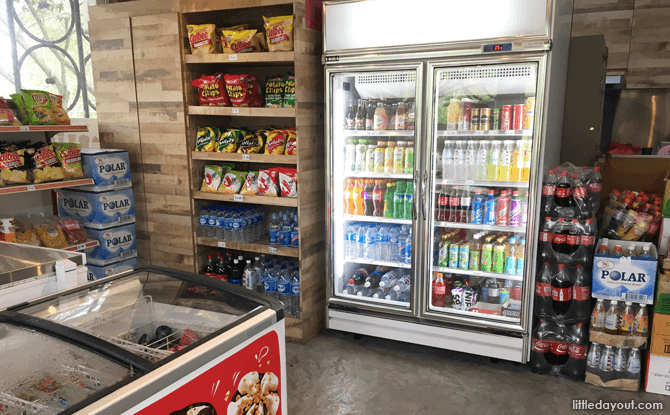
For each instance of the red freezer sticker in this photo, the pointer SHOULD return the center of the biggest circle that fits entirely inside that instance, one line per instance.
(248, 381)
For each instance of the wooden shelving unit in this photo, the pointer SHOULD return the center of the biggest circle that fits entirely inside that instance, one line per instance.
(43, 186)
(306, 117)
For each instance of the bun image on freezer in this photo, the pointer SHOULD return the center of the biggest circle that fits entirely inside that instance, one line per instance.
(256, 395)
(200, 408)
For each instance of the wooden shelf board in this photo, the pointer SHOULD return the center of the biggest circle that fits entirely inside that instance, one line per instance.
(237, 157)
(261, 246)
(43, 186)
(241, 111)
(259, 200)
(256, 57)
(43, 128)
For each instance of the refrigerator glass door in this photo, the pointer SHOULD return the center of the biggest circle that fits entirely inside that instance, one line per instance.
(148, 313)
(41, 374)
(482, 146)
(372, 123)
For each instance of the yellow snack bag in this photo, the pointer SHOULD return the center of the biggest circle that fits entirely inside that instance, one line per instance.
(279, 33)
(202, 38)
(242, 41)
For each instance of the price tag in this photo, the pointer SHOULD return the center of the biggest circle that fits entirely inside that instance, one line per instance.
(387, 175)
(30, 188)
(238, 198)
(221, 244)
(80, 247)
(451, 132)
(236, 110)
(232, 57)
(479, 132)
(469, 182)
(375, 132)
(512, 132)
(246, 157)
(24, 128)
(272, 250)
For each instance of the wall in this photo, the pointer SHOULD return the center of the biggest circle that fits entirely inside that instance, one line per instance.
(632, 120)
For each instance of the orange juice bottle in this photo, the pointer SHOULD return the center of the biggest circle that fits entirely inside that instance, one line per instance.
(346, 196)
(359, 202)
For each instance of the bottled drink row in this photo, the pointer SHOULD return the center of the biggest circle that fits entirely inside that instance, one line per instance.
(372, 156)
(632, 216)
(624, 250)
(501, 253)
(578, 197)
(455, 292)
(284, 229)
(380, 283)
(503, 207)
(563, 293)
(378, 242)
(471, 114)
(629, 320)
(569, 241)
(380, 115)
(232, 222)
(559, 349)
(611, 363)
(496, 160)
(379, 198)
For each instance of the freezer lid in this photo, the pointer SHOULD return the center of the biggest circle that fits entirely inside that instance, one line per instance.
(20, 262)
(153, 312)
(46, 375)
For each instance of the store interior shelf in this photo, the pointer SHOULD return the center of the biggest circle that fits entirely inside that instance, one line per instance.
(494, 133)
(377, 219)
(43, 186)
(377, 133)
(262, 246)
(43, 128)
(517, 229)
(372, 175)
(469, 313)
(394, 264)
(80, 247)
(241, 111)
(402, 304)
(257, 57)
(260, 200)
(453, 182)
(237, 157)
(479, 273)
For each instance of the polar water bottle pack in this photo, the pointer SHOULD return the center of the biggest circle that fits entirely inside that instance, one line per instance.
(98, 210)
(109, 169)
(95, 272)
(115, 244)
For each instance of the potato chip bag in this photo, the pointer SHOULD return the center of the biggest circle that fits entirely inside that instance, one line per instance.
(262, 41)
(69, 156)
(267, 182)
(289, 92)
(12, 167)
(202, 39)
(227, 167)
(237, 28)
(276, 142)
(212, 180)
(38, 106)
(44, 164)
(251, 144)
(232, 182)
(274, 92)
(256, 99)
(206, 139)
(279, 33)
(211, 90)
(288, 182)
(60, 115)
(250, 184)
(243, 41)
(229, 140)
(291, 143)
(21, 105)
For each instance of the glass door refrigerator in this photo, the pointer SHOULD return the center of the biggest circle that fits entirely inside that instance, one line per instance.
(435, 153)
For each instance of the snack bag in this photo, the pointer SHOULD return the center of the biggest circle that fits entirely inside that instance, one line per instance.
(250, 184)
(279, 33)
(291, 143)
(212, 180)
(288, 182)
(244, 41)
(227, 167)
(69, 156)
(229, 140)
(6, 113)
(50, 235)
(232, 182)
(262, 41)
(276, 142)
(237, 89)
(22, 112)
(211, 90)
(256, 99)
(206, 138)
(72, 230)
(38, 106)
(60, 115)
(251, 144)
(7, 230)
(12, 167)
(289, 92)
(45, 165)
(267, 182)
(202, 39)
(25, 234)
(274, 92)
(237, 28)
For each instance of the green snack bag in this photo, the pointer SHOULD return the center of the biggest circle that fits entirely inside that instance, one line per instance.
(226, 167)
(212, 179)
(38, 105)
(232, 182)
(250, 184)
(289, 92)
(21, 105)
(229, 140)
(206, 138)
(274, 92)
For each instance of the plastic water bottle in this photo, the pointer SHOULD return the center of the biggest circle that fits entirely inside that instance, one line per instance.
(250, 278)
(400, 247)
(258, 267)
(459, 160)
(274, 230)
(284, 287)
(204, 223)
(211, 222)
(370, 243)
(408, 248)
(237, 226)
(220, 223)
(295, 232)
(470, 155)
(448, 160)
(383, 242)
(360, 241)
(286, 228)
(392, 246)
(389, 279)
(403, 284)
(295, 293)
(270, 282)
(261, 222)
(480, 161)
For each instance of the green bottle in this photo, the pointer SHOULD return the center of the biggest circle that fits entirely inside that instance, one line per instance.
(388, 200)
(409, 197)
(399, 200)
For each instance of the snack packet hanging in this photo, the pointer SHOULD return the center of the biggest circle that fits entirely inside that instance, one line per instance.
(212, 180)
(250, 184)
(279, 33)
(276, 142)
(288, 182)
(38, 106)
(289, 92)
(211, 91)
(69, 156)
(202, 39)
(206, 138)
(229, 140)
(267, 182)
(44, 164)
(60, 115)
(251, 144)
(232, 182)
(274, 92)
(291, 143)
(243, 41)
(12, 167)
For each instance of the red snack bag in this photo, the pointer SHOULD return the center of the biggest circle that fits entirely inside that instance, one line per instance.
(188, 338)
(237, 89)
(291, 143)
(267, 182)
(288, 182)
(256, 99)
(211, 91)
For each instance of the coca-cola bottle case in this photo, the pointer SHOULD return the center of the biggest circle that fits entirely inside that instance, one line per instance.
(559, 349)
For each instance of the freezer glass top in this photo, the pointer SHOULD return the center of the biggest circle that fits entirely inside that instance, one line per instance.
(148, 313)
(44, 375)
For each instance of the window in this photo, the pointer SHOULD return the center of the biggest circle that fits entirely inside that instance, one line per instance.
(45, 45)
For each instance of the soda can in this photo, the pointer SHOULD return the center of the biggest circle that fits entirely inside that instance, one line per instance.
(506, 117)
(504, 295)
(453, 255)
(477, 211)
(487, 257)
(495, 119)
(484, 118)
(529, 113)
(474, 119)
(515, 212)
(517, 123)
(499, 259)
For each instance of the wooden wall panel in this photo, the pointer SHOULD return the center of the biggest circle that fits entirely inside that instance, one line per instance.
(649, 62)
(614, 24)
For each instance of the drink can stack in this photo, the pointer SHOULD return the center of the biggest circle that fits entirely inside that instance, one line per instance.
(106, 209)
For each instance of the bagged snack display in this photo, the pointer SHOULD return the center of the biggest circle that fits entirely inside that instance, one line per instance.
(279, 33)
(211, 91)
(232, 182)
(25, 234)
(44, 164)
(243, 41)
(250, 184)
(256, 92)
(289, 92)
(7, 230)
(251, 143)
(6, 113)
(276, 142)
(291, 143)
(267, 182)
(12, 167)
(38, 106)
(243, 90)
(22, 112)
(50, 235)
(72, 230)
(262, 41)
(274, 92)
(202, 39)
(212, 180)
(229, 140)
(206, 138)
(288, 182)
(59, 113)
(69, 156)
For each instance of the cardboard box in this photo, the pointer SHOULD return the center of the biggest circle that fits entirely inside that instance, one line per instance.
(663, 293)
(95, 272)
(116, 244)
(512, 308)
(486, 308)
(627, 342)
(109, 169)
(622, 384)
(625, 278)
(98, 210)
(658, 375)
(660, 335)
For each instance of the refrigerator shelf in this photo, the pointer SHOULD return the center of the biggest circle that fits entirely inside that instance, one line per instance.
(372, 175)
(492, 133)
(382, 263)
(377, 219)
(479, 273)
(480, 183)
(402, 304)
(515, 229)
(378, 133)
(261, 246)
(474, 313)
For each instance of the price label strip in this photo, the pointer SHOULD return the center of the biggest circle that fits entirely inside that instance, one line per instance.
(221, 244)
(272, 250)
(246, 157)
(238, 198)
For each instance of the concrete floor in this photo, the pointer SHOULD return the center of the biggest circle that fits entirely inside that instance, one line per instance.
(335, 374)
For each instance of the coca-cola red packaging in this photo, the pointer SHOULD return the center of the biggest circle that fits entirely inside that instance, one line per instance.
(563, 293)
(578, 343)
(559, 349)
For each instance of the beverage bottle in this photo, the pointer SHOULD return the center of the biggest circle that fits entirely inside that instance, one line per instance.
(403, 284)
(541, 343)
(510, 257)
(284, 288)
(627, 317)
(448, 160)
(383, 242)
(361, 274)
(258, 269)
(465, 114)
(515, 209)
(629, 251)
(285, 232)
(391, 110)
(653, 228)
(465, 200)
(411, 117)
(350, 117)
(208, 270)
(594, 186)
(370, 152)
(359, 202)
(543, 305)
(505, 160)
(619, 362)
(520, 257)
(368, 206)
(633, 364)
(490, 212)
(516, 163)
(558, 351)
(548, 189)
(459, 160)
(250, 278)
(593, 358)
(612, 318)
(392, 248)
(641, 321)
(295, 293)
(212, 222)
(352, 239)
(439, 291)
(235, 274)
(579, 197)
(402, 244)
(408, 166)
(484, 291)
(602, 249)
(204, 223)
(578, 342)
(573, 237)
(618, 250)
(442, 210)
(380, 117)
(371, 243)
(388, 200)
(581, 296)
(401, 117)
(560, 238)
(372, 281)
(399, 200)
(350, 155)
(598, 316)
(453, 113)
(525, 150)
(477, 208)
(617, 219)
(454, 205)
(562, 191)
(486, 260)
(378, 199)
(607, 359)
(399, 157)
(389, 279)
(408, 200)
(360, 116)
(365, 292)
(408, 248)
(480, 169)
(502, 208)
(499, 256)
(470, 154)
(561, 291)
(524, 210)
(494, 291)
(464, 255)
(361, 235)
(454, 254)
(475, 252)
(388, 156)
(492, 161)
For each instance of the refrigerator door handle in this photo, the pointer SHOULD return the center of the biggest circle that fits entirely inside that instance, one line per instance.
(414, 213)
(423, 192)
